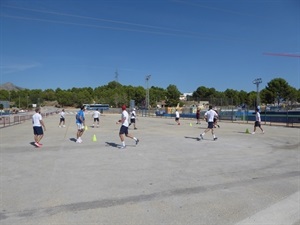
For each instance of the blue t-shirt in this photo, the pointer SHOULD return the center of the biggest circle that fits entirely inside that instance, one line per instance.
(79, 115)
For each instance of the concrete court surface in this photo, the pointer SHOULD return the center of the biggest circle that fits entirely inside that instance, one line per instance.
(169, 178)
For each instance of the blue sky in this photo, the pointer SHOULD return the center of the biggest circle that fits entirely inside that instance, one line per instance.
(189, 43)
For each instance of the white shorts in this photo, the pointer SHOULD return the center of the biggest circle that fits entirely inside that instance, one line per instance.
(80, 126)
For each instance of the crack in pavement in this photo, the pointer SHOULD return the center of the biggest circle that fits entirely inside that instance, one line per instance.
(106, 203)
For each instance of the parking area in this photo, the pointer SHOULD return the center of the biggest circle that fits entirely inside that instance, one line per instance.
(170, 177)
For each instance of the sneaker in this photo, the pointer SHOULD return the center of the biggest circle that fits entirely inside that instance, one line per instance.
(137, 141)
(253, 133)
(79, 140)
(64, 125)
(215, 138)
(201, 136)
(263, 132)
(135, 128)
(123, 147)
(59, 126)
(37, 144)
(40, 143)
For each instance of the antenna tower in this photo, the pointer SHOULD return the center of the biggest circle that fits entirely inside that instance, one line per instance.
(116, 76)
(257, 81)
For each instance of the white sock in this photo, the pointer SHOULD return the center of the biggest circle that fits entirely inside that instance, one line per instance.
(123, 143)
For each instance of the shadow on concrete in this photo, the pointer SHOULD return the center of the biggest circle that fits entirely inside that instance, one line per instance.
(73, 139)
(112, 144)
(195, 138)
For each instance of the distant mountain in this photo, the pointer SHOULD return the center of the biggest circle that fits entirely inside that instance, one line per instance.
(10, 87)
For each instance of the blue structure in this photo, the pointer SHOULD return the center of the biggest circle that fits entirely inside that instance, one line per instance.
(287, 117)
(5, 104)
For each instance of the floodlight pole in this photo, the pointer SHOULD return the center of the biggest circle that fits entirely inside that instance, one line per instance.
(147, 92)
(257, 81)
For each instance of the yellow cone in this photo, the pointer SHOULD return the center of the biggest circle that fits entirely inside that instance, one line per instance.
(86, 127)
(191, 124)
(94, 137)
(247, 131)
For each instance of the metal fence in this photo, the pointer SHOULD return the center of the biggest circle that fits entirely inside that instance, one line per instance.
(14, 119)
(285, 118)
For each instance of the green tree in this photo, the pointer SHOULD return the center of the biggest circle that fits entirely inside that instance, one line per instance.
(157, 94)
(251, 101)
(204, 94)
(242, 97)
(64, 98)
(173, 95)
(49, 95)
(278, 90)
(4, 95)
(233, 95)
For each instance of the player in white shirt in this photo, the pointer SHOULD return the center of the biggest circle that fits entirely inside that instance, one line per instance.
(62, 118)
(124, 128)
(38, 125)
(96, 115)
(209, 116)
(177, 116)
(257, 121)
(133, 118)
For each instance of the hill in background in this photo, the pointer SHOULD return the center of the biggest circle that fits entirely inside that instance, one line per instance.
(10, 87)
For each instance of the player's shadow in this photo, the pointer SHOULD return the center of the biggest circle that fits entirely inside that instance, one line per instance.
(73, 139)
(32, 143)
(112, 144)
(195, 138)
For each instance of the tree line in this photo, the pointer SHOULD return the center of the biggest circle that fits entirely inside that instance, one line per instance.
(115, 94)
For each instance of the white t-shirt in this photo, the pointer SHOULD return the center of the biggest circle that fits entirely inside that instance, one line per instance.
(36, 118)
(96, 114)
(177, 114)
(257, 117)
(125, 115)
(133, 114)
(211, 114)
(62, 114)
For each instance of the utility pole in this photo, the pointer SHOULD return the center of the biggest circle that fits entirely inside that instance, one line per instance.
(147, 92)
(257, 81)
(116, 76)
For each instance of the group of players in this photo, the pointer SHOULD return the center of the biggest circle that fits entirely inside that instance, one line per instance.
(210, 116)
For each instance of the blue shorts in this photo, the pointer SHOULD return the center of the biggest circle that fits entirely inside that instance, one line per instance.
(257, 124)
(123, 130)
(38, 131)
(210, 125)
